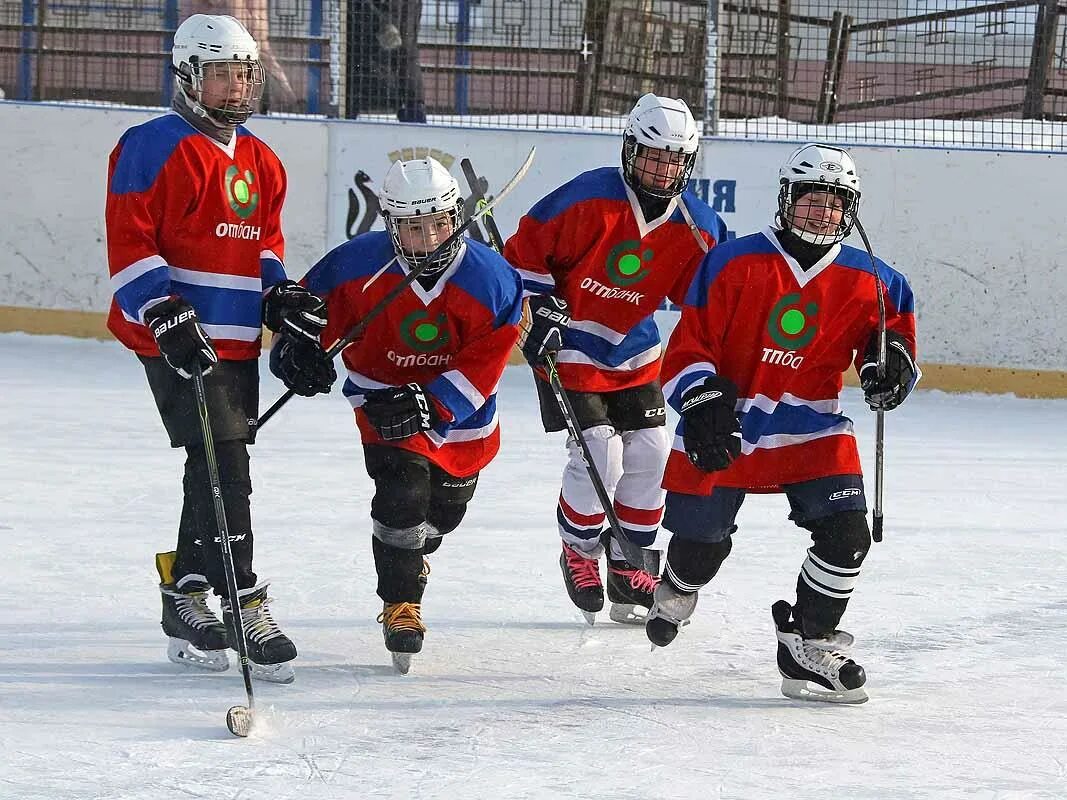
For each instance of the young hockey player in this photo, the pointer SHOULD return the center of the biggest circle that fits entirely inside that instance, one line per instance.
(769, 325)
(195, 251)
(606, 248)
(422, 377)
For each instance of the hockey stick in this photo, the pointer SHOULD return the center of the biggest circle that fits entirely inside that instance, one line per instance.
(637, 556)
(408, 279)
(239, 719)
(879, 425)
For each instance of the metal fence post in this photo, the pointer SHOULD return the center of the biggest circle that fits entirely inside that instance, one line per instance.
(170, 24)
(781, 106)
(711, 70)
(314, 57)
(1040, 59)
(463, 57)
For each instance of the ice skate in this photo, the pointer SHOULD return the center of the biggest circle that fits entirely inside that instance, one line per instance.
(671, 610)
(630, 591)
(196, 636)
(403, 631)
(813, 669)
(581, 575)
(268, 648)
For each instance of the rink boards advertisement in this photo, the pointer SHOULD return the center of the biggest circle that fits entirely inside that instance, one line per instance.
(978, 233)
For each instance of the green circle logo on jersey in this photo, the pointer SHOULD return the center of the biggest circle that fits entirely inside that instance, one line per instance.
(239, 192)
(791, 326)
(625, 265)
(422, 333)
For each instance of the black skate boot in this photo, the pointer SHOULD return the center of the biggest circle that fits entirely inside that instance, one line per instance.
(630, 591)
(671, 610)
(197, 637)
(813, 669)
(403, 631)
(268, 648)
(581, 576)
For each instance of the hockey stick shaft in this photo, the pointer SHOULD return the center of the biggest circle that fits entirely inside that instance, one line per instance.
(879, 424)
(223, 531)
(633, 553)
(408, 279)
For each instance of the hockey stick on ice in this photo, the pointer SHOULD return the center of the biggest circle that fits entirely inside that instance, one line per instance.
(239, 719)
(408, 279)
(879, 425)
(637, 556)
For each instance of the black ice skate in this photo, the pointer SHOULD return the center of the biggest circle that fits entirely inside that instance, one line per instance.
(671, 610)
(630, 592)
(581, 576)
(403, 631)
(197, 637)
(812, 669)
(268, 648)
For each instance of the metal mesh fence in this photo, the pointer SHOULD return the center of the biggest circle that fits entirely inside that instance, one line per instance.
(927, 72)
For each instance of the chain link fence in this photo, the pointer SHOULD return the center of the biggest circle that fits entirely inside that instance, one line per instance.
(918, 72)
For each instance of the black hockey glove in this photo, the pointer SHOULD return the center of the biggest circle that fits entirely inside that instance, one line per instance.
(712, 434)
(887, 393)
(544, 319)
(288, 306)
(181, 340)
(400, 411)
(302, 365)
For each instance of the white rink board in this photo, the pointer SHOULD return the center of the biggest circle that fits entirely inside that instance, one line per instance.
(976, 232)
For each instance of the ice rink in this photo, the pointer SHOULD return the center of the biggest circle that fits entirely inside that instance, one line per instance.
(960, 618)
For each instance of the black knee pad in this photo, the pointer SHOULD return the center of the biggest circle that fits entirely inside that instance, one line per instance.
(841, 539)
(692, 564)
(232, 460)
(446, 517)
(401, 496)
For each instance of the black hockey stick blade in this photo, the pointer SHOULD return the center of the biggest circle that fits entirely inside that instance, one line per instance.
(239, 720)
(410, 278)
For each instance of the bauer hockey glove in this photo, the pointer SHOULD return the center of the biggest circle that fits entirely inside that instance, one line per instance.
(288, 306)
(302, 365)
(544, 319)
(181, 340)
(400, 411)
(888, 392)
(712, 434)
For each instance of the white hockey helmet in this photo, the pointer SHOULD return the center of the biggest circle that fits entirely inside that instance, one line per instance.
(660, 123)
(818, 168)
(422, 198)
(210, 46)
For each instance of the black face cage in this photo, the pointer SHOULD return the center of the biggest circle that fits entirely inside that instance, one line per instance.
(232, 112)
(790, 191)
(631, 150)
(416, 259)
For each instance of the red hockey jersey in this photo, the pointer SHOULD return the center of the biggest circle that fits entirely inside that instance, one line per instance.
(785, 337)
(453, 339)
(187, 215)
(588, 242)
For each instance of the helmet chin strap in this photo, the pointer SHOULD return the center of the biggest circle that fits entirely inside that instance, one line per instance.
(201, 117)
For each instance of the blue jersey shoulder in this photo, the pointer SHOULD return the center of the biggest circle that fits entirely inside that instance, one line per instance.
(145, 149)
(492, 281)
(894, 280)
(716, 260)
(603, 183)
(357, 258)
(703, 215)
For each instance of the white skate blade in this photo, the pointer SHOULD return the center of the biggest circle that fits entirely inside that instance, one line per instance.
(589, 616)
(272, 673)
(628, 614)
(402, 662)
(803, 690)
(181, 652)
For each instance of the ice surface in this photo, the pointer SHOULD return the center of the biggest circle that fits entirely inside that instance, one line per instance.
(960, 618)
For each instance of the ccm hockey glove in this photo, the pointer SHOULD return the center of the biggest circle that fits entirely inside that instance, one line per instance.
(887, 393)
(399, 411)
(181, 340)
(302, 365)
(712, 433)
(544, 319)
(288, 306)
